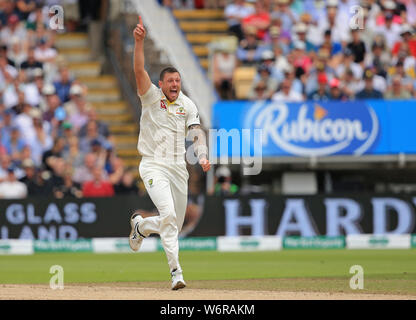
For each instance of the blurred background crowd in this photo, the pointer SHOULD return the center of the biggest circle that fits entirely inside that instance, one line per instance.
(51, 142)
(316, 49)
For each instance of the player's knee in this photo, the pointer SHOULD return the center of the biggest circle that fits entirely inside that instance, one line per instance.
(169, 219)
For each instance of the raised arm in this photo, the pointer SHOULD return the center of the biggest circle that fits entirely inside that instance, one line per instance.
(142, 77)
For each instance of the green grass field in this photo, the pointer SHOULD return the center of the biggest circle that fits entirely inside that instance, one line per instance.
(385, 271)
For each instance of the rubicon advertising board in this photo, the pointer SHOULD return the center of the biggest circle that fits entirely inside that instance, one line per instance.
(314, 129)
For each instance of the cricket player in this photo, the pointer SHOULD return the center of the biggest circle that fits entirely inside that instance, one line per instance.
(167, 117)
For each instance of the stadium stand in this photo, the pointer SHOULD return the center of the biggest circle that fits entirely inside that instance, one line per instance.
(314, 40)
(60, 113)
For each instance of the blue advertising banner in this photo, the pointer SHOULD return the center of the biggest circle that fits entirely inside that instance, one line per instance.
(308, 129)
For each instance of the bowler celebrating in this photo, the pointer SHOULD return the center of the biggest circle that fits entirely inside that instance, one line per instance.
(167, 115)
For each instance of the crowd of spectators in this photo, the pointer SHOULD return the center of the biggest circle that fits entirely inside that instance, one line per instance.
(321, 49)
(51, 142)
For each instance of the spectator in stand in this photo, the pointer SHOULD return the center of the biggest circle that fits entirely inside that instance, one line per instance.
(92, 136)
(103, 129)
(58, 166)
(31, 94)
(300, 58)
(41, 140)
(347, 63)
(300, 31)
(350, 84)
(369, 92)
(31, 64)
(97, 187)
(14, 145)
(357, 46)
(396, 90)
(235, 12)
(40, 184)
(264, 76)
(11, 188)
(331, 46)
(286, 93)
(250, 50)
(268, 60)
(71, 152)
(77, 107)
(390, 31)
(115, 170)
(259, 20)
(8, 9)
(25, 7)
(321, 94)
(5, 164)
(389, 9)
(336, 92)
(223, 66)
(44, 52)
(17, 52)
(24, 121)
(379, 58)
(55, 152)
(127, 185)
(69, 188)
(83, 173)
(7, 124)
(283, 12)
(411, 11)
(63, 85)
(54, 112)
(407, 80)
(7, 74)
(29, 172)
(259, 92)
(13, 29)
(339, 29)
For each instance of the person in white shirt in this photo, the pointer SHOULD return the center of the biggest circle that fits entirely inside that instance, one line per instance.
(340, 30)
(11, 188)
(287, 94)
(235, 12)
(390, 31)
(44, 53)
(167, 115)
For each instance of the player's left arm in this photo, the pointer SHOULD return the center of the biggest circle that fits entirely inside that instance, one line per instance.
(200, 145)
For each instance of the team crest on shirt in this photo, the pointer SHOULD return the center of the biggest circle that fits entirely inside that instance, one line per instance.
(150, 182)
(163, 105)
(180, 111)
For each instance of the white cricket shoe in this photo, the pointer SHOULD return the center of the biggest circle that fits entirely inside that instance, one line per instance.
(136, 238)
(177, 280)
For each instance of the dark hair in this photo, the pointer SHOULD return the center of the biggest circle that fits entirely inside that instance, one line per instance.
(167, 70)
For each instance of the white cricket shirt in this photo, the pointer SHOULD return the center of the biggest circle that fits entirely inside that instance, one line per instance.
(163, 125)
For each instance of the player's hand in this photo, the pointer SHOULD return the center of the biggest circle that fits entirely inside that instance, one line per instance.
(139, 32)
(204, 162)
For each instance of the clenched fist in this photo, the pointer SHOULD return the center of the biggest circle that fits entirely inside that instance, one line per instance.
(204, 162)
(139, 32)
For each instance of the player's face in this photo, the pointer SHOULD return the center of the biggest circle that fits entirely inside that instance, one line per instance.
(171, 85)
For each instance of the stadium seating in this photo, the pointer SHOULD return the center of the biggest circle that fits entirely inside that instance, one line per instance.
(200, 28)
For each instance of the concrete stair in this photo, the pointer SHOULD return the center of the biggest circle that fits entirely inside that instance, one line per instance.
(104, 95)
(200, 28)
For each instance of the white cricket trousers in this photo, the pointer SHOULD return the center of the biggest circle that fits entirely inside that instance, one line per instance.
(167, 185)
